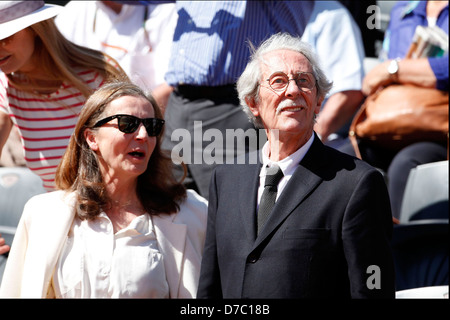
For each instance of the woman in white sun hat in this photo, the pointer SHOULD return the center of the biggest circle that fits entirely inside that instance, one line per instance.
(44, 82)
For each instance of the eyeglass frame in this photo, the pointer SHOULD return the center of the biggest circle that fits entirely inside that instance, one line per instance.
(287, 85)
(154, 122)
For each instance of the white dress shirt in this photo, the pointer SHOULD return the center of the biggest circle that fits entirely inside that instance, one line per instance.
(96, 263)
(287, 165)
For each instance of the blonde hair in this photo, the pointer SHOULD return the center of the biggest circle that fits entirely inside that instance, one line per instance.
(58, 58)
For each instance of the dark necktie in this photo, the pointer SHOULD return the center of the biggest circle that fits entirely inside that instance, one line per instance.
(273, 176)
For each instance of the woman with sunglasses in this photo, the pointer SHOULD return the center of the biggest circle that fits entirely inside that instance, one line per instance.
(121, 225)
(44, 81)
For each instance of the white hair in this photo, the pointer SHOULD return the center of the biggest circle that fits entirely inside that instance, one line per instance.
(248, 82)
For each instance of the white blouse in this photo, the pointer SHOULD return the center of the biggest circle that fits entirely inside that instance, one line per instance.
(96, 263)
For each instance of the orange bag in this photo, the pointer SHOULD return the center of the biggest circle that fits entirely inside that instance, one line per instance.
(399, 115)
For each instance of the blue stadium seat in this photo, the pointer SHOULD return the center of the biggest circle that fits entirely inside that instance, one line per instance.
(17, 185)
(420, 250)
(426, 193)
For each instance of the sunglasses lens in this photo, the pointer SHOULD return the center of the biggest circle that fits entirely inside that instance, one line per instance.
(128, 124)
(153, 126)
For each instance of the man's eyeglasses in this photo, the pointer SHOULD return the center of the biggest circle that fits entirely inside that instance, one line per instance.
(129, 124)
(279, 81)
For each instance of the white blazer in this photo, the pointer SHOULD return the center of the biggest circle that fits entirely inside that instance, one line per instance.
(45, 224)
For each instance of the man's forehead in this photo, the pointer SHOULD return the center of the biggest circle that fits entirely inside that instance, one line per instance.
(284, 60)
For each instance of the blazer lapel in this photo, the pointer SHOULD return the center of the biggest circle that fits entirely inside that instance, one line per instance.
(171, 239)
(49, 232)
(302, 182)
(248, 191)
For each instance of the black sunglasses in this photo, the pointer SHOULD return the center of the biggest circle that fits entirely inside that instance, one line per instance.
(129, 124)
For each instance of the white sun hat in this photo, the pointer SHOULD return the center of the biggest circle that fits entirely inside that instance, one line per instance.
(18, 15)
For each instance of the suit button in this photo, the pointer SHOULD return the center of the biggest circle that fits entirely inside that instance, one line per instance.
(252, 258)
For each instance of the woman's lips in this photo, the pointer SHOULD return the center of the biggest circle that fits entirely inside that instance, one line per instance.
(137, 154)
(4, 60)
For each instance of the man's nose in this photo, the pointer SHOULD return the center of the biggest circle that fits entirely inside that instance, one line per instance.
(292, 89)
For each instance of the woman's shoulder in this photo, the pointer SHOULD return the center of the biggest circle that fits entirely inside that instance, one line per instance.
(193, 208)
(47, 210)
(91, 77)
(57, 196)
(194, 201)
(195, 197)
(50, 202)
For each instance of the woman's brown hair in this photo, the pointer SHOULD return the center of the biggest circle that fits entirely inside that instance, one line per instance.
(157, 188)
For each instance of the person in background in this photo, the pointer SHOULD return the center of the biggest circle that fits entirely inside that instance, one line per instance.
(4, 248)
(12, 152)
(306, 221)
(208, 54)
(4, 252)
(336, 39)
(44, 81)
(120, 224)
(431, 72)
(361, 12)
(139, 36)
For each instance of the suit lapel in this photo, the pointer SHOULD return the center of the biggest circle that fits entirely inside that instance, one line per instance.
(248, 192)
(46, 239)
(304, 180)
(171, 239)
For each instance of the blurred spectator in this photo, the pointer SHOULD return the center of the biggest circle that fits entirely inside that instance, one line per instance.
(4, 248)
(370, 36)
(208, 55)
(429, 72)
(44, 82)
(12, 153)
(138, 36)
(336, 39)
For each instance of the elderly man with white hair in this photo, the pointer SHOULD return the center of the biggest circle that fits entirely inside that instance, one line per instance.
(307, 221)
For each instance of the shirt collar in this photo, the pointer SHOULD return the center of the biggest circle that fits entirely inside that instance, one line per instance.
(288, 164)
(140, 225)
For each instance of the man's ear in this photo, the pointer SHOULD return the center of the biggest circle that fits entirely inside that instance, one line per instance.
(91, 140)
(253, 106)
(319, 105)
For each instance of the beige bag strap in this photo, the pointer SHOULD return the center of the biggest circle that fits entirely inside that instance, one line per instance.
(352, 132)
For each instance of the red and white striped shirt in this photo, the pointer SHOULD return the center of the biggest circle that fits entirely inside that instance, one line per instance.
(45, 122)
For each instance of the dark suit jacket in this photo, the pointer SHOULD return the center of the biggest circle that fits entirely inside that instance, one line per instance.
(331, 223)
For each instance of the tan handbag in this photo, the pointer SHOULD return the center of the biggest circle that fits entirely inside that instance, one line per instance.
(399, 115)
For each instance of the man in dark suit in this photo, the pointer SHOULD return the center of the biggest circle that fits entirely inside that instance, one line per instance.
(328, 232)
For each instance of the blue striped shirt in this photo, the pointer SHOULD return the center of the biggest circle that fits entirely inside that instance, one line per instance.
(210, 45)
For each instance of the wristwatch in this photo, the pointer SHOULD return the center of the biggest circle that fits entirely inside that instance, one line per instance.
(393, 68)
